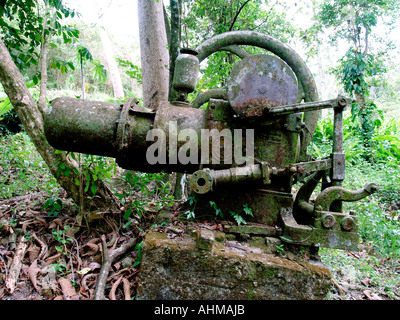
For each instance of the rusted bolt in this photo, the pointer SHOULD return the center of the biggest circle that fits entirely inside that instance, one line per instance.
(342, 102)
(347, 223)
(328, 220)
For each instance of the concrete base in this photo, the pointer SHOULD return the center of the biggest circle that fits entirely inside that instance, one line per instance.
(205, 265)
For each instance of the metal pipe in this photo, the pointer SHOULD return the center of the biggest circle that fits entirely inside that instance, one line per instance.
(204, 181)
(204, 97)
(84, 126)
(338, 156)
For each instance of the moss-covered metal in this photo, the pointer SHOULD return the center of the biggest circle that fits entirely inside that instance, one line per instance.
(262, 98)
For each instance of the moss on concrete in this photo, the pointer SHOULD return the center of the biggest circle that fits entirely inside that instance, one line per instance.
(182, 268)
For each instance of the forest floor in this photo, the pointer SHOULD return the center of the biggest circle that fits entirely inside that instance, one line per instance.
(47, 253)
(62, 262)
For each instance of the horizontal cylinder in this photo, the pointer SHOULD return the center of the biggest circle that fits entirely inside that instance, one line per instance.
(204, 181)
(84, 126)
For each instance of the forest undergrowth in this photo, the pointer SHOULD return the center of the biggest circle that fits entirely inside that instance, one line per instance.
(60, 257)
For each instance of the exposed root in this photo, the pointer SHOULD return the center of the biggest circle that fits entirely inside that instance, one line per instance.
(108, 259)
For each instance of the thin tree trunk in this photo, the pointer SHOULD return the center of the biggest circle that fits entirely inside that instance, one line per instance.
(108, 50)
(174, 42)
(82, 77)
(43, 77)
(153, 52)
(31, 118)
(43, 65)
(112, 65)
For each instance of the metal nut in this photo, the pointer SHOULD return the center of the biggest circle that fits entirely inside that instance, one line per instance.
(328, 220)
(348, 223)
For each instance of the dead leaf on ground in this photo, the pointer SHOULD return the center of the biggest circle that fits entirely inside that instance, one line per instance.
(33, 270)
(33, 252)
(371, 296)
(67, 289)
(93, 249)
(53, 259)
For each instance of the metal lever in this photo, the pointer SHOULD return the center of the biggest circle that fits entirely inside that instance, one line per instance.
(329, 195)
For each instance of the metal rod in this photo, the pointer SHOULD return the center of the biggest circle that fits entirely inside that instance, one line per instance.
(304, 107)
(338, 156)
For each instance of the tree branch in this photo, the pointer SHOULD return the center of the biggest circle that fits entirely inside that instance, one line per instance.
(237, 14)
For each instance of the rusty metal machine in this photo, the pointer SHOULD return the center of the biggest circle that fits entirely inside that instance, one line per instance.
(273, 98)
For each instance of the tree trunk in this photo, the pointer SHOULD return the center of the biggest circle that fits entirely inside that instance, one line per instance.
(31, 118)
(108, 50)
(154, 53)
(82, 77)
(174, 42)
(112, 65)
(43, 65)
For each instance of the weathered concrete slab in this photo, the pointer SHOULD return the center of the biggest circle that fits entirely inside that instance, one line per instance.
(205, 265)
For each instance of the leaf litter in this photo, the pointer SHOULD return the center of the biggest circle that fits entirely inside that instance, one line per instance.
(45, 257)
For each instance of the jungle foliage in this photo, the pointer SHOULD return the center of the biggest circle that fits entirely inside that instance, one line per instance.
(371, 138)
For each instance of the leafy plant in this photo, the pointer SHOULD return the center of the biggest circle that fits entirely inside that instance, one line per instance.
(22, 169)
(54, 204)
(218, 212)
(5, 103)
(146, 190)
(60, 268)
(62, 239)
(238, 216)
(192, 201)
(98, 71)
(138, 248)
(24, 25)
(132, 70)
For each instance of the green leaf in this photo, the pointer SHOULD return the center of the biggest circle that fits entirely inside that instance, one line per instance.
(128, 213)
(93, 188)
(5, 106)
(87, 184)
